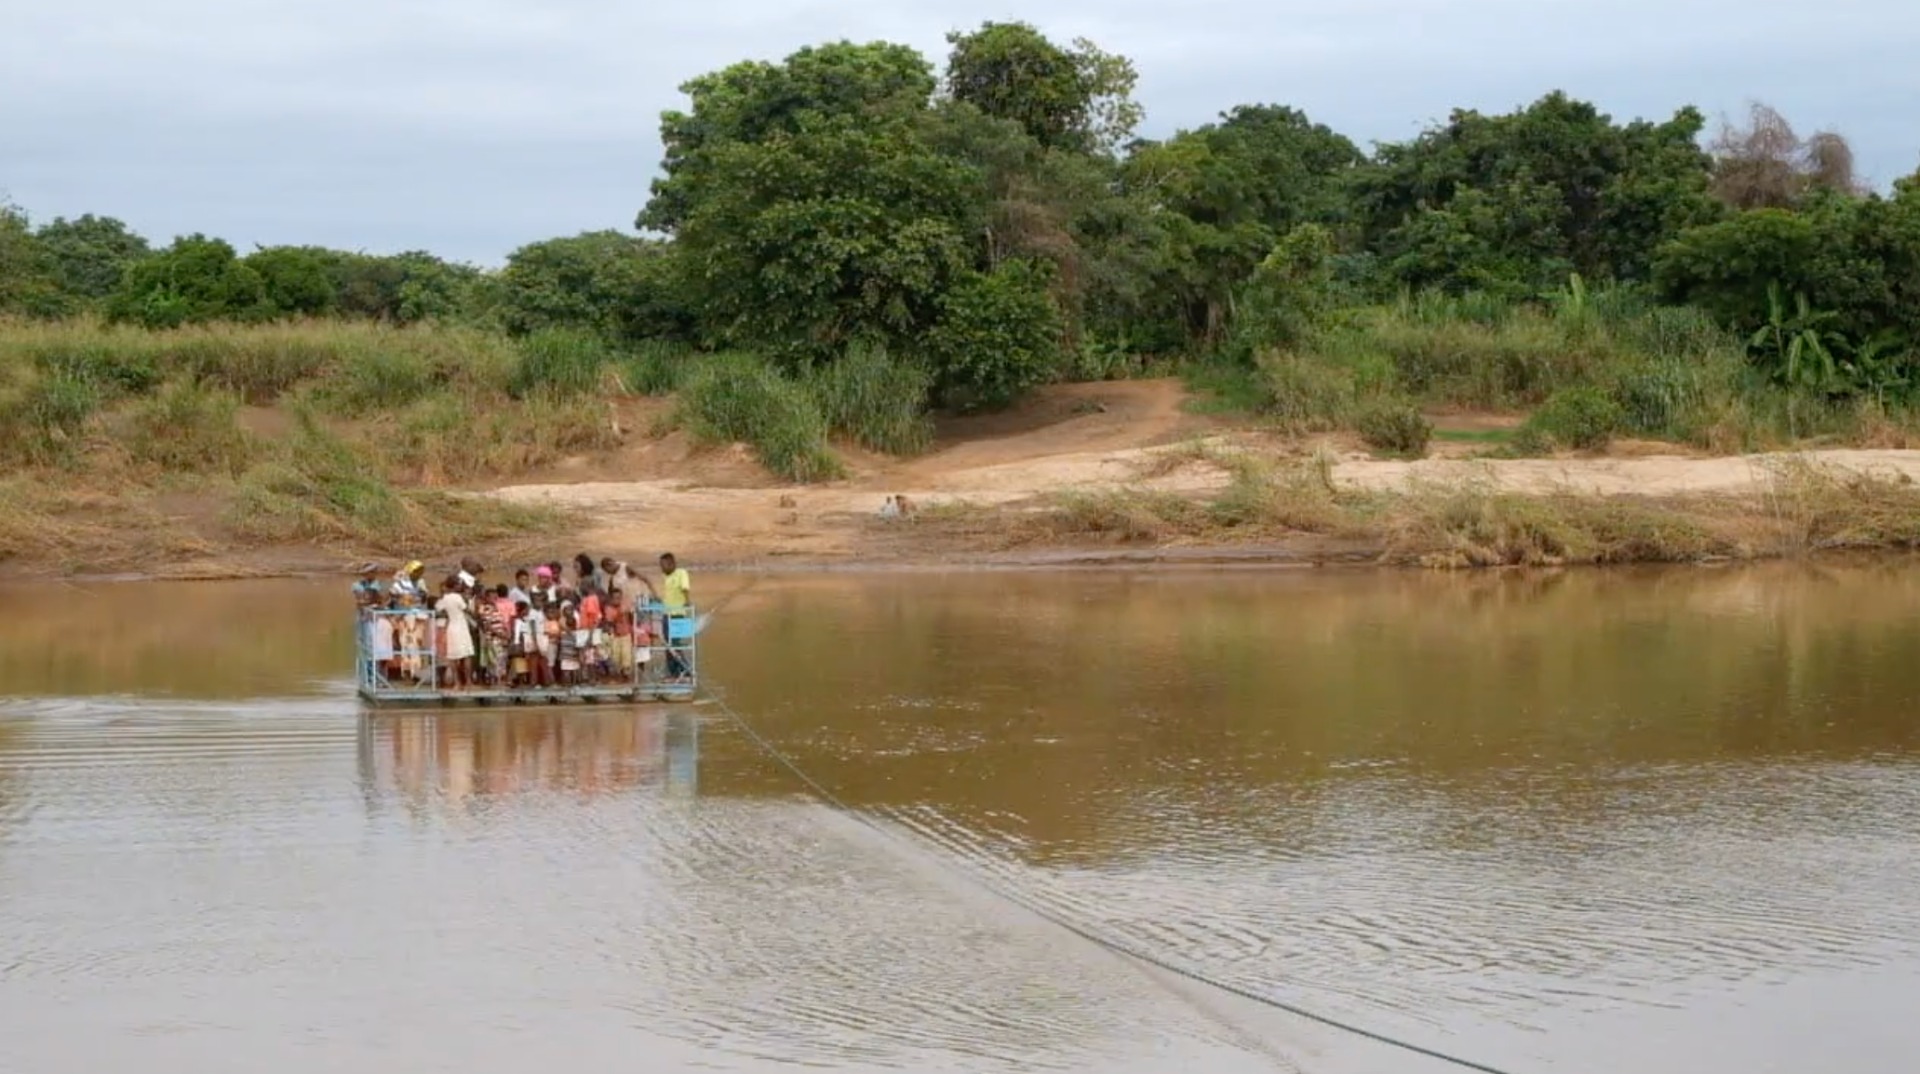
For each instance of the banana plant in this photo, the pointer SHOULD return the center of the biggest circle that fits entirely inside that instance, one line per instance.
(1882, 365)
(1798, 345)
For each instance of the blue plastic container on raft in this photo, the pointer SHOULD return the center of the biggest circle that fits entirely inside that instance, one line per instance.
(668, 671)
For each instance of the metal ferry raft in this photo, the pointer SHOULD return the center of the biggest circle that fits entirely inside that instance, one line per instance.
(668, 672)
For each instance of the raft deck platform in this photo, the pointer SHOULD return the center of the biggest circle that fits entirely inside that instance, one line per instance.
(669, 672)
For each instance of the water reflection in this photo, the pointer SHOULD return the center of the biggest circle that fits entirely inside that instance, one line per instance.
(1661, 821)
(458, 755)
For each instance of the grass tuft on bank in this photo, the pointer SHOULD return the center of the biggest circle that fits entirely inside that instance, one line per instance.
(1799, 508)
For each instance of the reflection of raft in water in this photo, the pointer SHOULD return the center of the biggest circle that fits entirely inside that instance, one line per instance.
(666, 669)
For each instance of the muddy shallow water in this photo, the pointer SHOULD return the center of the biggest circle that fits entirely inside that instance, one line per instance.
(1595, 822)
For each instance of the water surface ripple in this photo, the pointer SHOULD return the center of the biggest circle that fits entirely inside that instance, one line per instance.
(1630, 822)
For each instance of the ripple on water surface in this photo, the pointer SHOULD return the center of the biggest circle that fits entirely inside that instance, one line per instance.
(288, 883)
(1603, 823)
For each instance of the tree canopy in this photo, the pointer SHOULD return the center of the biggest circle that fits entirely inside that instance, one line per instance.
(998, 221)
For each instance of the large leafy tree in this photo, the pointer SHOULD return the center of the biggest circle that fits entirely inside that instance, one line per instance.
(299, 280)
(91, 253)
(1079, 98)
(1526, 197)
(617, 285)
(1230, 191)
(193, 280)
(808, 205)
(1855, 259)
(406, 287)
(29, 279)
(750, 103)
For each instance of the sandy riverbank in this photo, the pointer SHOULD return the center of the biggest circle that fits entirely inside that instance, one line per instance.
(719, 509)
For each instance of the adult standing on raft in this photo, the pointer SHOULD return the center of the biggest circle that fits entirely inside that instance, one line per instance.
(458, 631)
(676, 594)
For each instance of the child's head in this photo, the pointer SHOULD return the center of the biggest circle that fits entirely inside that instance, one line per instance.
(668, 564)
(500, 591)
(520, 609)
(521, 578)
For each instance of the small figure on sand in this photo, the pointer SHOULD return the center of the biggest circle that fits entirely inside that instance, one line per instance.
(896, 507)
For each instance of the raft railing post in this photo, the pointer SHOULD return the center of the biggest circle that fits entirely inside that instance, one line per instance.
(691, 667)
(363, 656)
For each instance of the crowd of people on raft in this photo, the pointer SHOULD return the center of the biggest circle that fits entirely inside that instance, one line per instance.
(601, 626)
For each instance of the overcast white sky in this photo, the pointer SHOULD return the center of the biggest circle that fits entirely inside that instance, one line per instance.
(468, 127)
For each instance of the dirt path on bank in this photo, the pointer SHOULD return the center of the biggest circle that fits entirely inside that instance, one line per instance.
(719, 507)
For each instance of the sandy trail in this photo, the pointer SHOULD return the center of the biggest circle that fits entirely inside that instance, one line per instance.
(720, 507)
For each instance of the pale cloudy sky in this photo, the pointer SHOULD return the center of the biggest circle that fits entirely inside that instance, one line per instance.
(468, 127)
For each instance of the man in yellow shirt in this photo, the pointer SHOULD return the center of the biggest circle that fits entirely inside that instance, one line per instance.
(676, 590)
(676, 593)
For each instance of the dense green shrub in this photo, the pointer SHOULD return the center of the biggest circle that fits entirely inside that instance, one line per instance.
(1584, 418)
(1394, 426)
(197, 279)
(998, 335)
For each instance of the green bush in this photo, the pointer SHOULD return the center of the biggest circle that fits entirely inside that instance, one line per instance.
(1583, 418)
(561, 361)
(998, 336)
(738, 398)
(1394, 426)
(877, 402)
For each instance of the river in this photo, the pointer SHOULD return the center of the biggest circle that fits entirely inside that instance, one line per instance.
(1629, 821)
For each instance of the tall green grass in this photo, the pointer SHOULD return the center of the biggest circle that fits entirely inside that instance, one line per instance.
(874, 400)
(360, 364)
(739, 398)
(560, 363)
(657, 367)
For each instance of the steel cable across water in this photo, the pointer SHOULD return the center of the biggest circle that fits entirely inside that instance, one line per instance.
(1087, 933)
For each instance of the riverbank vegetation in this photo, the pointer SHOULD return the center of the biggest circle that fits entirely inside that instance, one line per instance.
(1803, 508)
(846, 241)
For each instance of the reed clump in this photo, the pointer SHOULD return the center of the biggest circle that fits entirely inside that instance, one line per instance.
(740, 399)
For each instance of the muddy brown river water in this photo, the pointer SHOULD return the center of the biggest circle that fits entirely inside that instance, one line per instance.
(1634, 822)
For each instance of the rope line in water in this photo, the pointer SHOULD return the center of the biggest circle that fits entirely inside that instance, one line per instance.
(1119, 947)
